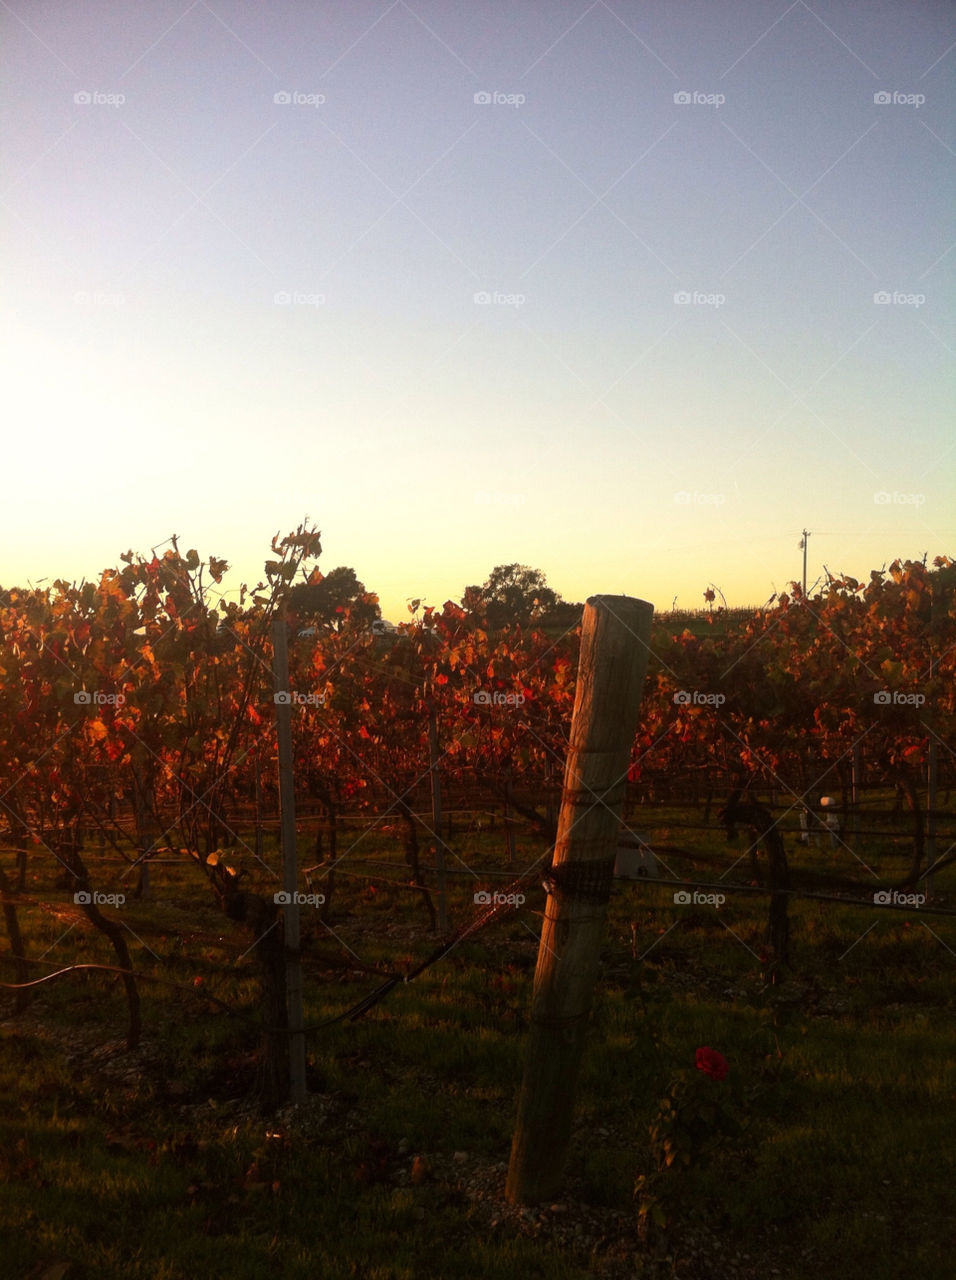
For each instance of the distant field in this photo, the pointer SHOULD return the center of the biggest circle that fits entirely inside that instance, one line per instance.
(697, 621)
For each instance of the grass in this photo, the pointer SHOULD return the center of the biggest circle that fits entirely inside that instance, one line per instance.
(144, 1167)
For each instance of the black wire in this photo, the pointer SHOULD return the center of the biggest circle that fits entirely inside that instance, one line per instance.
(478, 923)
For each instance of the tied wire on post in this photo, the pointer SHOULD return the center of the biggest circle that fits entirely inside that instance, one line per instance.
(480, 921)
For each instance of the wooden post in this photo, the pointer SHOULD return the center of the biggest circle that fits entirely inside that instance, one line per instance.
(142, 843)
(549, 794)
(506, 819)
(436, 823)
(615, 643)
(293, 964)
(856, 780)
(509, 834)
(260, 846)
(931, 794)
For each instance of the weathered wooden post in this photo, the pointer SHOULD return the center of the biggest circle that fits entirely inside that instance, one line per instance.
(142, 840)
(856, 775)
(260, 845)
(290, 872)
(549, 795)
(932, 775)
(509, 834)
(615, 643)
(436, 821)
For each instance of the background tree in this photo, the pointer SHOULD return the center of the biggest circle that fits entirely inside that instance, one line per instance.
(513, 593)
(324, 599)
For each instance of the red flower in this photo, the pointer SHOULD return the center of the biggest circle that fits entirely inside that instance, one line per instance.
(712, 1063)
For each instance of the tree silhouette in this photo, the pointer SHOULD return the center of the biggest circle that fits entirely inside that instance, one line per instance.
(512, 593)
(324, 599)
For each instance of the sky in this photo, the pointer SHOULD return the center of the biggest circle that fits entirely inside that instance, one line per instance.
(629, 293)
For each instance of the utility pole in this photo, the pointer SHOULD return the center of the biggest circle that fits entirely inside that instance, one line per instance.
(803, 543)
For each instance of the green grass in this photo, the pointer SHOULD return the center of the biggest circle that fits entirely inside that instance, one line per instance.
(845, 1072)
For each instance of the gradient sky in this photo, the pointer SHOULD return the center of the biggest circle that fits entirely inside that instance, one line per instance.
(582, 421)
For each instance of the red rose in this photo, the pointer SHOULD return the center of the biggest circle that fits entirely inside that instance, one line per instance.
(712, 1063)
